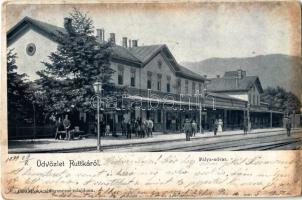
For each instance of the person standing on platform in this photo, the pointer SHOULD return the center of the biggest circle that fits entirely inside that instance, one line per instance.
(139, 128)
(187, 129)
(245, 126)
(288, 126)
(128, 129)
(59, 126)
(194, 128)
(67, 124)
(215, 127)
(124, 127)
(107, 130)
(136, 127)
(150, 127)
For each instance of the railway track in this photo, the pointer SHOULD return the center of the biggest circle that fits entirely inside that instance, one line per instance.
(214, 144)
(237, 145)
(178, 144)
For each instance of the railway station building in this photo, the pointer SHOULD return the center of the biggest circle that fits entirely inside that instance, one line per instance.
(157, 86)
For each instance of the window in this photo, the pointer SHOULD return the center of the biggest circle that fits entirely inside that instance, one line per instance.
(253, 99)
(132, 78)
(159, 82)
(200, 88)
(31, 49)
(193, 87)
(120, 75)
(168, 84)
(178, 85)
(187, 86)
(159, 64)
(149, 80)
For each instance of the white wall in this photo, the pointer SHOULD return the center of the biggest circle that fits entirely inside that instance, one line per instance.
(165, 70)
(247, 96)
(254, 94)
(30, 64)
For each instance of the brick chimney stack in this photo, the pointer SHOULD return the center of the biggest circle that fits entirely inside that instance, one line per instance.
(68, 24)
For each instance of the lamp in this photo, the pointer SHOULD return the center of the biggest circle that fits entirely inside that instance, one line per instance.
(97, 86)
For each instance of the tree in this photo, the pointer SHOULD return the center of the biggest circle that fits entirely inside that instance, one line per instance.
(78, 62)
(19, 96)
(278, 98)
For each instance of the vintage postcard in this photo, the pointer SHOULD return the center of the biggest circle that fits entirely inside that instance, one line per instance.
(151, 99)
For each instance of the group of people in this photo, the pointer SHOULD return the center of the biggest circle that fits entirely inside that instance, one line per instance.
(140, 128)
(63, 128)
(190, 128)
(144, 128)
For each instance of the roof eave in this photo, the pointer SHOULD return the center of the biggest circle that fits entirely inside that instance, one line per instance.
(181, 74)
(24, 24)
(117, 58)
(233, 90)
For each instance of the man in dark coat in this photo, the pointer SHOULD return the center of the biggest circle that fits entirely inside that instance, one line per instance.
(59, 127)
(187, 129)
(245, 126)
(288, 126)
(67, 124)
(128, 129)
(215, 127)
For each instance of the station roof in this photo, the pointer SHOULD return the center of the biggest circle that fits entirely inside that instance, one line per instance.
(233, 84)
(139, 55)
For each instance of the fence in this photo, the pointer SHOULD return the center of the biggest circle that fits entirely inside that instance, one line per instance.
(28, 132)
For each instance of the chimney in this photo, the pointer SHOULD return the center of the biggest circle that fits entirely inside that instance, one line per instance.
(130, 43)
(125, 42)
(218, 76)
(68, 24)
(134, 43)
(100, 35)
(241, 73)
(112, 38)
(67, 20)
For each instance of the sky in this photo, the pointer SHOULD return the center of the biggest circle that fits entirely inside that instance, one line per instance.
(192, 31)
